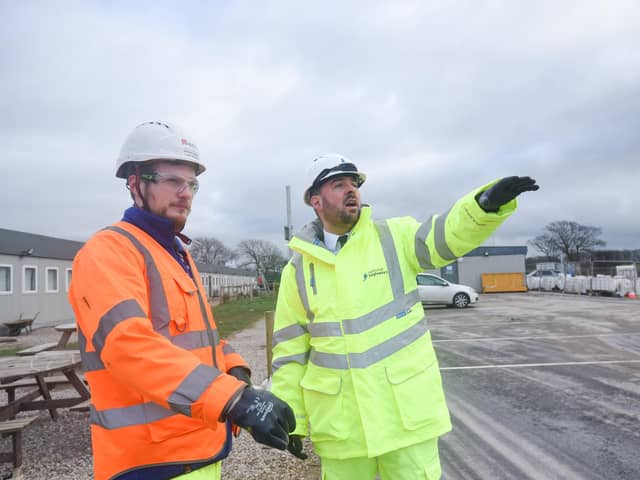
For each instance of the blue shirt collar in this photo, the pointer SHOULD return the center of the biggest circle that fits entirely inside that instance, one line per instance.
(160, 228)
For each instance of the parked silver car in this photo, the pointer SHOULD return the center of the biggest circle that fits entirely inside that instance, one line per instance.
(434, 290)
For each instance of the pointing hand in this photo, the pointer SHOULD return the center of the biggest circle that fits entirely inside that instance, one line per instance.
(504, 191)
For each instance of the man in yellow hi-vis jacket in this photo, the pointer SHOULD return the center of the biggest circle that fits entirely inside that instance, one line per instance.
(352, 349)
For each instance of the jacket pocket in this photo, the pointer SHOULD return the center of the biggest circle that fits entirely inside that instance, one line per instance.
(417, 391)
(323, 401)
(184, 308)
(168, 427)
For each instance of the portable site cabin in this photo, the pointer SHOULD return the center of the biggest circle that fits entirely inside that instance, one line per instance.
(502, 267)
(35, 274)
(219, 280)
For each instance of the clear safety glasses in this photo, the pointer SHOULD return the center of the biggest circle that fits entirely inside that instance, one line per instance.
(175, 183)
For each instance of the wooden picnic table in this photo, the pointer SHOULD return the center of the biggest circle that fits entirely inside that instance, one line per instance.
(67, 329)
(38, 367)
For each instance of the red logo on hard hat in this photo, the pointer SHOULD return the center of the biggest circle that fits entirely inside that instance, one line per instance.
(184, 141)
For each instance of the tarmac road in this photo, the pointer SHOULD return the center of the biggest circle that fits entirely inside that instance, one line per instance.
(541, 386)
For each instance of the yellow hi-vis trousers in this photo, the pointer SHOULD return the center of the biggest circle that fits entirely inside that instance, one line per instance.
(210, 472)
(416, 462)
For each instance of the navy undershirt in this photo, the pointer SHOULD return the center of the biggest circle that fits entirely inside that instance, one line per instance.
(161, 230)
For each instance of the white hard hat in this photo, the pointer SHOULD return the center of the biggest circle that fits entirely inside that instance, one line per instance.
(330, 165)
(157, 141)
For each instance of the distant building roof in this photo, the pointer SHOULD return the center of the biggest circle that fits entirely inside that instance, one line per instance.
(24, 244)
(489, 251)
(210, 268)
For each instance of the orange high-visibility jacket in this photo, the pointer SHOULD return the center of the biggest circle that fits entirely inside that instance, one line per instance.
(153, 359)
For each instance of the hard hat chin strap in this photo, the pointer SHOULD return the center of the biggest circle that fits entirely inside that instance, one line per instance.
(137, 173)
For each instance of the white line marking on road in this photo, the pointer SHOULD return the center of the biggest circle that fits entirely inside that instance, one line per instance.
(523, 365)
(536, 337)
(526, 457)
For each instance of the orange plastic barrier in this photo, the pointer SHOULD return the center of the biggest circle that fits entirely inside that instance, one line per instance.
(503, 282)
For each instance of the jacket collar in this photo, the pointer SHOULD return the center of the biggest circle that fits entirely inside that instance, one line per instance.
(310, 239)
(159, 228)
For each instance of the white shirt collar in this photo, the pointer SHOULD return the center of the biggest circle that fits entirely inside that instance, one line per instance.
(331, 240)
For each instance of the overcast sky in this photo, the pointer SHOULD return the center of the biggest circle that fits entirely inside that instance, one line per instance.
(430, 99)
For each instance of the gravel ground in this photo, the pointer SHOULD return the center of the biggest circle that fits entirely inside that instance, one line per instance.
(61, 449)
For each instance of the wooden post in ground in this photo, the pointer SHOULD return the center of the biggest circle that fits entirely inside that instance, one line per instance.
(268, 326)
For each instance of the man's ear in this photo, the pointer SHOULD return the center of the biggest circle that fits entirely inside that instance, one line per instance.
(315, 201)
(131, 186)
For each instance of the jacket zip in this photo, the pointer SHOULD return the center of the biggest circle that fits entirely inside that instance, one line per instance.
(312, 279)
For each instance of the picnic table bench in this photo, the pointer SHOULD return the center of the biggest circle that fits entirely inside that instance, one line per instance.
(37, 349)
(14, 428)
(39, 374)
(30, 382)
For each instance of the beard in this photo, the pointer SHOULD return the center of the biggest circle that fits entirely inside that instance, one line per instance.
(348, 217)
(179, 221)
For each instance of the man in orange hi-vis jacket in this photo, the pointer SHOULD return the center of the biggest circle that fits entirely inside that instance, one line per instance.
(165, 388)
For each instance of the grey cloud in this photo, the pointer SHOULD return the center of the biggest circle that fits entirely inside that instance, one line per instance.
(430, 100)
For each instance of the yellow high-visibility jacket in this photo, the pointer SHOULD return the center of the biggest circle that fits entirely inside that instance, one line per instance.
(352, 351)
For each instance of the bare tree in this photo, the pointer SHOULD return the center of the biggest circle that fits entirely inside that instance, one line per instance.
(569, 238)
(261, 255)
(545, 244)
(212, 251)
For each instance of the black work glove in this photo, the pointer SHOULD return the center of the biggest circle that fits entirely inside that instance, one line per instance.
(241, 373)
(295, 447)
(504, 191)
(268, 419)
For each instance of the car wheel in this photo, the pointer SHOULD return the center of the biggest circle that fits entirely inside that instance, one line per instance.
(461, 300)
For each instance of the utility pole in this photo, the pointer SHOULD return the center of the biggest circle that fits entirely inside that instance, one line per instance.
(288, 229)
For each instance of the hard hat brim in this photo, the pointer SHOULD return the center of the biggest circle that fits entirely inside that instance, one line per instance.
(360, 176)
(121, 172)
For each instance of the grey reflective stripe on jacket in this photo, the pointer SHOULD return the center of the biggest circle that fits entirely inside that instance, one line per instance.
(191, 387)
(439, 238)
(439, 241)
(180, 401)
(296, 260)
(400, 305)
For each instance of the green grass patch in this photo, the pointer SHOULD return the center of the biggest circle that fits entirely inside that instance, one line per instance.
(241, 313)
(230, 318)
(12, 350)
